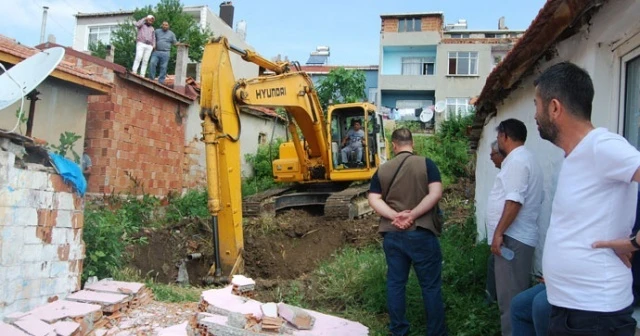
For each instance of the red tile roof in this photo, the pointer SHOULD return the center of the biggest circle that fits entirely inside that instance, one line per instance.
(11, 47)
(556, 21)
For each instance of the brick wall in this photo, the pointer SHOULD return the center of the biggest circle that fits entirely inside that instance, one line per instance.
(41, 246)
(427, 23)
(136, 138)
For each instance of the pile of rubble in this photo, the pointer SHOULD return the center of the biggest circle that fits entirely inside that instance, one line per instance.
(98, 307)
(223, 312)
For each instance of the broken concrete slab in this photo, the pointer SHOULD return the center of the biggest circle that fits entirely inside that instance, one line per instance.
(35, 327)
(108, 301)
(298, 317)
(7, 329)
(117, 287)
(176, 330)
(269, 309)
(66, 328)
(222, 301)
(62, 309)
(14, 317)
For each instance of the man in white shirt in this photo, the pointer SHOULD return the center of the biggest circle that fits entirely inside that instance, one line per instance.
(512, 216)
(589, 288)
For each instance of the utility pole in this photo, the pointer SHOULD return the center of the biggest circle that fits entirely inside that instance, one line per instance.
(44, 23)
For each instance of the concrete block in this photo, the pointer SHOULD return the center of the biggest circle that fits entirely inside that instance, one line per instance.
(32, 253)
(296, 316)
(31, 235)
(10, 290)
(36, 270)
(8, 273)
(105, 299)
(42, 199)
(48, 287)
(35, 327)
(9, 196)
(61, 236)
(269, 309)
(64, 218)
(77, 251)
(29, 179)
(63, 201)
(59, 269)
(7, 329)
(7, 159)
(25, 217)
(50, 253)
(12, 240)
(30, 289)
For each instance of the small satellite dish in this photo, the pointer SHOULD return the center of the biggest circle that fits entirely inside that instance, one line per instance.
(426, 115)
(440, 106)
(25, 76)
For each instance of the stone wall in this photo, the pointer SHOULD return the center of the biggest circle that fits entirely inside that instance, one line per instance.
(41, 246)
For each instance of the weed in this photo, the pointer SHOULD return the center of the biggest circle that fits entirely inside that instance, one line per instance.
(190, 205)
(161, 292)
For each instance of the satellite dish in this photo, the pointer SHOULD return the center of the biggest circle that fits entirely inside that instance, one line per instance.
(25, 76)
(426, 115)
(440, 106)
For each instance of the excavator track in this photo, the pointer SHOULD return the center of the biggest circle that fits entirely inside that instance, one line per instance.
(348, 204)
(253, 205)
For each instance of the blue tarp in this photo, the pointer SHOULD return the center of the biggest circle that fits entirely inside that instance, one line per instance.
(70, 172)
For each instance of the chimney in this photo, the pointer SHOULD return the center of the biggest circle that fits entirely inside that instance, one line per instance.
(501, 25)
(226, 13)
(51, 38)
(182, 59)
(111, 51)
(44, 23)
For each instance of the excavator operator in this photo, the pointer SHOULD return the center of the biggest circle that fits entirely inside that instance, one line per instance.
(353, 142)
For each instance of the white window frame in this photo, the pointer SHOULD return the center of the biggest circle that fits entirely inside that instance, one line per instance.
(413, 104)
(413, 21)
(113, 26)
(422, 61)
(624, 51)
(622, 88)
(457, 103)
(456, 56)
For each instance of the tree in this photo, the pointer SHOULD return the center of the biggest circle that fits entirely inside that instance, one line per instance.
(341, 86)
(98, 49)
(185, 27)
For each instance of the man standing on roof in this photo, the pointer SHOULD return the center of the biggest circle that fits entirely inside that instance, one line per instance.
(165, 38)
(145, 43)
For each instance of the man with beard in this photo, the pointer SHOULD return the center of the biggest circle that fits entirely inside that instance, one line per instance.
(145, 43)
(589, 288)
(512, 216)
(165, 38)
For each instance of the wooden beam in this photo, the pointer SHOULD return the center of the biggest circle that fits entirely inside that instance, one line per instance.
(65, 76)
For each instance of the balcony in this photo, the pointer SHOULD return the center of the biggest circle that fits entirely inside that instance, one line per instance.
(407, 82)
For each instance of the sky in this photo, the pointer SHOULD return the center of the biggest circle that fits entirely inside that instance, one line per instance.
(293, 28)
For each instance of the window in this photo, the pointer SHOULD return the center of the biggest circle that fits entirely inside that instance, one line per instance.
(458, 106)
(418, 65)
(631, 94)
(409, 25)
(371, 96)
(463, 63)
(262, 138)
(460, 35)
(101, 33)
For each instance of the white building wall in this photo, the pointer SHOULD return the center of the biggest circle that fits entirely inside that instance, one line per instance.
(612, 34)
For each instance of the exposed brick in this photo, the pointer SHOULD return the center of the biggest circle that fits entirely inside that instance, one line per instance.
(63, 252)
(77, 220)
(58, 184)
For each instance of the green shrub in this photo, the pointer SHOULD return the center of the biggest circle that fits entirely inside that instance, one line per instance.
(192, 204)
(262, 178)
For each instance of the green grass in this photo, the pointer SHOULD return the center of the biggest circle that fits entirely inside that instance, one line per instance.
(161, 292)
(352, 285)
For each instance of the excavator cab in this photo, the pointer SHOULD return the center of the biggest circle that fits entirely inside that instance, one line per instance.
(358, 144)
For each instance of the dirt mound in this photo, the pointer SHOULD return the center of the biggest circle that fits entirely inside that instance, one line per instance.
(299, 242)
(283, 247)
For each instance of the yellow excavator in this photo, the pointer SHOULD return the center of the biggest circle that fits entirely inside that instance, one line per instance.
(311, 161)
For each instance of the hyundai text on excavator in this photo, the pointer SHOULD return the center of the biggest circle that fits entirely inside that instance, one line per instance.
(311, 163)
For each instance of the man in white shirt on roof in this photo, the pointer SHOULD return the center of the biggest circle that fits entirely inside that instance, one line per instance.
(512, 216)
(589, 288)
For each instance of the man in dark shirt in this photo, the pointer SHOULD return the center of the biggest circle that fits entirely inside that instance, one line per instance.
(405, 192)
(165, 38)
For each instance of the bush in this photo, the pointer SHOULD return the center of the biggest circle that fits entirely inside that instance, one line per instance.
(109, 229)
(190, 205)
(262, 178)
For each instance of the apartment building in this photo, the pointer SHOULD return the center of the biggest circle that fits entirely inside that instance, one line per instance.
(424, 61)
